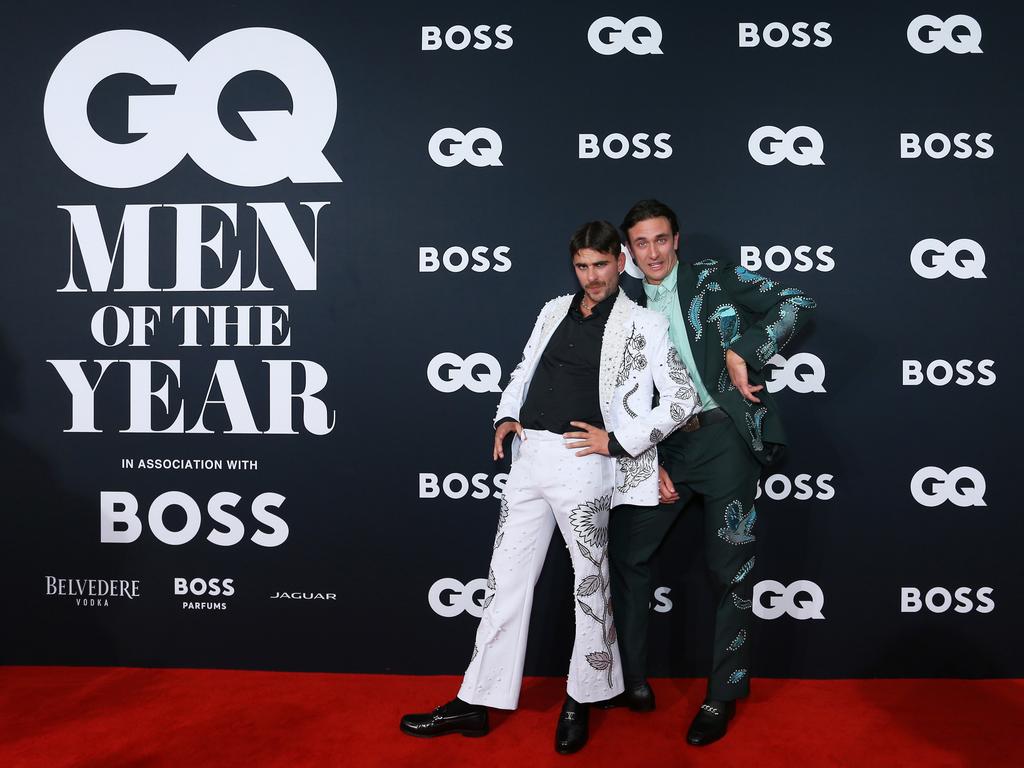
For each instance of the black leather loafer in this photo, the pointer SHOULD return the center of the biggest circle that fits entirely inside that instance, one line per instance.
(711, 722)
(639, 698)
(573, 727)
(454, 717)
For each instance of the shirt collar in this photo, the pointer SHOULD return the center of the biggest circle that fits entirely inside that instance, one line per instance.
(600, 309)
(668, 285)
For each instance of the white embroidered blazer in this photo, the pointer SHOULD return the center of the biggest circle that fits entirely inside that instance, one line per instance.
(637, 357)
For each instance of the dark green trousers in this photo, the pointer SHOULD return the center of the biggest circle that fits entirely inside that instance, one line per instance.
(715, 464)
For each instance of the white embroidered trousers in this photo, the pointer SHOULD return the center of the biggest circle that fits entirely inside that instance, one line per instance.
(548, 485)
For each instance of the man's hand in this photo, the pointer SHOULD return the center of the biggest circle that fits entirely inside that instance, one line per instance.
(667, 493)
(503, 431)
(737, 368)
(592, 439)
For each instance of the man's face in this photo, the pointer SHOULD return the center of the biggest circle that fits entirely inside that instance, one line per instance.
(654, 248)
(598, 272)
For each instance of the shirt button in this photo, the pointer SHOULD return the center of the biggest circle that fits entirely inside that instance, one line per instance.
(571, 345)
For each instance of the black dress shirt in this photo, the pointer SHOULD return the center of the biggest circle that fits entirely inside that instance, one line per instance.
(564, 387)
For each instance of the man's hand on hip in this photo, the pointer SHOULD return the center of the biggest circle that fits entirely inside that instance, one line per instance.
(504, 430)
(591, 439)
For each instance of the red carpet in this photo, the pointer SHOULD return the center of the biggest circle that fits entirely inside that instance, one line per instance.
(116, 718)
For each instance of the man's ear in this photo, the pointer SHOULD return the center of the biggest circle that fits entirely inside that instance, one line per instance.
(621, 262)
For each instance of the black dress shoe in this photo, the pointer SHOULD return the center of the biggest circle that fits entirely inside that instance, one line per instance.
(711, 722)
(454, 717)
(639, 698)
(573, 727)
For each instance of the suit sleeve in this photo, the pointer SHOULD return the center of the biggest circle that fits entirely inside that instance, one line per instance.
(783, 311)
(678, 399)
(514, 393)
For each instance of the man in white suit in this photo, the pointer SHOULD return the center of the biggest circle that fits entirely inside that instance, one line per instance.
(580, 408)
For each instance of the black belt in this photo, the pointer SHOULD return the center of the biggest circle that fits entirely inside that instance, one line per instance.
(703, 419)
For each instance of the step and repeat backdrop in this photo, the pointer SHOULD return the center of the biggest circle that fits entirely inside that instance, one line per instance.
(267, 267)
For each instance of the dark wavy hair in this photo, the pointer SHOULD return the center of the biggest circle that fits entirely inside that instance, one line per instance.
(648, 209)
(597, 235)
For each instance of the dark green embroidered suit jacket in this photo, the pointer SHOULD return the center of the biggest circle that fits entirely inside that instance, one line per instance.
(729, 307)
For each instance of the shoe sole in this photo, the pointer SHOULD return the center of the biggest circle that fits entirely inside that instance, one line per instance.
(471, 734)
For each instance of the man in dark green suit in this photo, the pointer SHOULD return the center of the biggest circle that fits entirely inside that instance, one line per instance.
(727, 323)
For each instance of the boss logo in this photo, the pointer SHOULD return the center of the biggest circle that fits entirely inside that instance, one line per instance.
(963, 259)
(447, 372)
(778, 258)
(957, 34)
(801, 487)
(940, 600)
(175, 518)
(641, 35)
(458, 259)
(457, 486)
(617, 146)
(458, 38)
(450, 597)
(802, 372)
(938, 146)
(801, 600)
(964, 487)
(288, 143)
(801, 145)
(940, 373)
(200, 587)
(777, 34)
(480, 147)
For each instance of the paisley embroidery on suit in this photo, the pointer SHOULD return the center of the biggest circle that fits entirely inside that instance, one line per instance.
(492, 587)
(780, 332)
(746, 276)
(739, 602)
(739, 640)
(635, 471)
(678, 373)
(677, 412)
(632, 356)
(738, 528)
(656, 435)
(693, 315)
(741, 574)
(738, 675)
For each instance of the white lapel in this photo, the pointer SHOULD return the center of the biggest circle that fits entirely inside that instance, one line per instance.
(613, 345)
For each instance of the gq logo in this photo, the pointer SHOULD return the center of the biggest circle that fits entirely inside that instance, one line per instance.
(801, 600)
(932, 259)
(930, 34)
(964, 487)
(622, 36)
(939, 600)
(480, 147)
(803, 373)
(450, 597)
(447, 372)
(288, 144)
(769, 145)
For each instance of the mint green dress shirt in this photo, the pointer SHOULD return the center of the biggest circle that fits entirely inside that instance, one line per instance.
(665, 299)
